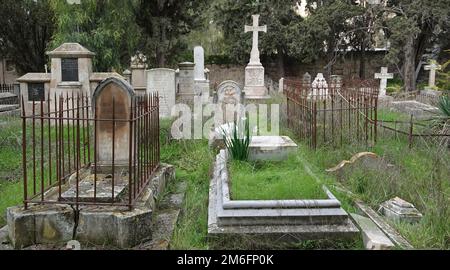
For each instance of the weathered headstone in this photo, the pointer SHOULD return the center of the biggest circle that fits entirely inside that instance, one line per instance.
(254, 72)
(162, 80)
(200, 80)
(432, 67)
(138, 74)
(228, 94)
(383, 76)
(112, 100)
(186, 82)
(336, 81)
(281, 85)
(306, 79)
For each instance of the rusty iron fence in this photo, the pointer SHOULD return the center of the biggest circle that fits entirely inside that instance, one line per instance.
(334, 113)
(60, 151)
(416, 132)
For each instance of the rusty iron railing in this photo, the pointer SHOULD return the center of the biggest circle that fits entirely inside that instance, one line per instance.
(60, 147)
(334, 114)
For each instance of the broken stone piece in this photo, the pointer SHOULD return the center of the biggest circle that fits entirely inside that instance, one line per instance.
(399, 210)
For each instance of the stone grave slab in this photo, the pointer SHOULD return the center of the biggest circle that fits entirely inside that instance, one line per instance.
(417, 109)
(297, 219)
(274, 148)
(104, 189)
(373, 237)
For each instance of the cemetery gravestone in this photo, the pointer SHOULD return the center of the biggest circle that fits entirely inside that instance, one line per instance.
(228, 94)
(138, 74)
(201, 82)
(254, 72)
(319, 88)
(186, 82)
(162, 80)
(383, 76)
(112, 99)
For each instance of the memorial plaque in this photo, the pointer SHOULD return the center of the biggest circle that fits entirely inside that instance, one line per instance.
(36, 92)
(69, 69)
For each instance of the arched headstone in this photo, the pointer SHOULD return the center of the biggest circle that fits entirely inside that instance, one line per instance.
(228, 93)
(112, 100)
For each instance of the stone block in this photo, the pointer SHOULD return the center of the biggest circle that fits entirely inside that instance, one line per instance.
(40, 225)
(399, 210)
(373, 237)
(273, 148)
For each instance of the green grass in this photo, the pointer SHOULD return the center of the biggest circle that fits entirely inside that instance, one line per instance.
(273, 181)
(421, 176)
(11, 188)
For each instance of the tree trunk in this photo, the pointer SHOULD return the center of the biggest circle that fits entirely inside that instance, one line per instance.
(161, 47)
(409, 68)
(280, 63)
(362, 60)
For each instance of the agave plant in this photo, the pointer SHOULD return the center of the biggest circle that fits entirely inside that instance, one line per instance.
(237, 141)
(441, 122)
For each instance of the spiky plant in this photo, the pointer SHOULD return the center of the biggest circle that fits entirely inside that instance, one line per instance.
(441, 122)
(238, 142)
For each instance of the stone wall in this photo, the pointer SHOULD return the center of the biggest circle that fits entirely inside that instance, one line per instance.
(347, 67)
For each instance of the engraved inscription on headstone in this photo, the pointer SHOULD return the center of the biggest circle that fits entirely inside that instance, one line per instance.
(36, 92)
(69, 69)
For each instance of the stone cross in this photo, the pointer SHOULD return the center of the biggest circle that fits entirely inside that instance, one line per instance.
(254, 59)
(432, 68)
(383, 76)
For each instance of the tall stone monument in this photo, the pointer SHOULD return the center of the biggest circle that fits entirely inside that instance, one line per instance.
(254, 72)
(383, 76)
(201, 83)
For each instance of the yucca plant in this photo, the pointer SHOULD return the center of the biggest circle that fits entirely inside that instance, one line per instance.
(237, 141)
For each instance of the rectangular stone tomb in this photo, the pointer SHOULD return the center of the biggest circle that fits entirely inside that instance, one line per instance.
(103, 188)
(274, 148)
(297, 219)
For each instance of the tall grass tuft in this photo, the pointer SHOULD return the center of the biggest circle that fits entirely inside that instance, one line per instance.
(238, 142)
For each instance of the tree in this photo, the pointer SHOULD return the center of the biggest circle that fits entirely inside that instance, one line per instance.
(164, 23)
(414, 25)
(323, 33)
(25, 29)
(106, 27)
(327, 30)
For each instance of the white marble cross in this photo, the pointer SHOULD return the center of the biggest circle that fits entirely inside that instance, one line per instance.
(383, 76)
(432, 67)
(254, 59)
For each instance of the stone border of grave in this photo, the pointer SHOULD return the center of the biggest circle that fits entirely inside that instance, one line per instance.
(300, 219)
(59, 223)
